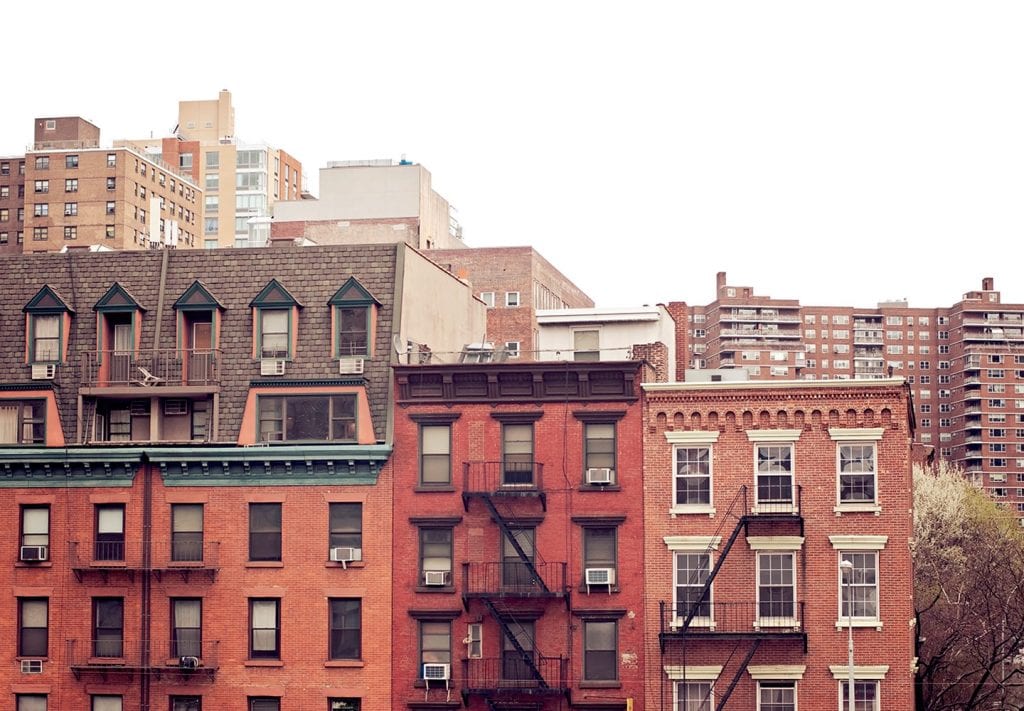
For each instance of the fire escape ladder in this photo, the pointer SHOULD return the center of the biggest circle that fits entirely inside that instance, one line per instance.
(526, 656)
(739, 502)
(89, 406)
(510, 535)
(736, 677)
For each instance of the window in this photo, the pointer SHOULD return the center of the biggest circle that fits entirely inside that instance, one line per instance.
(521, 635)
(265, 634)
(42, 162)
(41, 209)
(435, 454)
(109, 231)
(70, 185)
(693, 696)
(105, 702)
(30, 702)
(46, 338)
(186, 532)
(435, 643)
(275, 336)
(600, 650)
(187, 627)
(586, 345)
(511, 298)
(599, 446)
(776, 696)
(512, 349)
(40, 234)
(774, 474)
(264, 703)
(693, 476)
(776, 587)
(517, 455)
(111, 183)
(353, 330)
(33, 638)
(111, 205)
(212, 159)
(5, 215)
(345, 521)
(111, 160)
(346, 633)
(599, 546)
(856, 473)
(35, 525)
(108, 626)
(515, 568)
(70, 161)
(488, 298)
(109, 532)
(306, 417)
(475, 640)
(264, 531)
(344, 704)
(863, 586)
(691, 573)
(865, 695)
(436, 555)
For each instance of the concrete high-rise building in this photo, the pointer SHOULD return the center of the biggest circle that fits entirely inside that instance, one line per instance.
(241, 181)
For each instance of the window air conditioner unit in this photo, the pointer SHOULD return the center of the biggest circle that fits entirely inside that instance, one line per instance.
(189, 662)
(351, 366)
(31, 666)
(139, 408)
(600, 475)
(176, 406)
(35, 553)
(44, 371)
(599, 576)
(346, 555)
(272, 366)
(437, 577)
(437, 672)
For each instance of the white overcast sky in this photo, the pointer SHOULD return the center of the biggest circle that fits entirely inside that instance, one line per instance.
(835, 152)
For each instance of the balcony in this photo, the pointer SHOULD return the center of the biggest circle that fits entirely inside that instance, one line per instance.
(737, 620)
(164, 368)
(114, 656)
(509, 479)
(511, 675)
(756, 333)
(175, 556)
(513, 579)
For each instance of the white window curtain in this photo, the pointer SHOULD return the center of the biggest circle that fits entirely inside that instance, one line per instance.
(106, 703)
(111, 521)
(8, 424)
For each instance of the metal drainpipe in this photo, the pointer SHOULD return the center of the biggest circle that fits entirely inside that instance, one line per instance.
(145, 622)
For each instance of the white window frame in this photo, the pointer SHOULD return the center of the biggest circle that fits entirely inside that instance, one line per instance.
(693, 440)
(852, 437)
(691, 674)
(512, 348)
(774, 438)
(488, 298)
(793, 682)
(861, 674)
(760, 621)
(512, 299)
(693, 545)
(844, 544)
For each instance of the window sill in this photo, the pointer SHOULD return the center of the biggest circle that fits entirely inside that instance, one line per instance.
(443, 589)
(692, 509)
(353, 564)
(345, 664)
(42, 657)
(596, 487)
(264, 564)
(611, 684)
(840, 509)
(424, 489)
(40, 564)
(263, 663)
(598, 589)
(859, 623)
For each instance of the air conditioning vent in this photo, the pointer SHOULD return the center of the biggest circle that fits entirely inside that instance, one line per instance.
(44, 371)
(437, 672)
(272, 366)
(599, 576)
(189, 662)
(351, 366)
(601, 475)
(437, 577)
(31, 666)
(34, 554)
(346, 555)
(176, 406)
(139, 408)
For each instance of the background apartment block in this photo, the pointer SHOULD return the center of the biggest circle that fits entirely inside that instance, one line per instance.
(241, 180)
(12, 204)
(755, 494)
(964, 364)
(194, 448)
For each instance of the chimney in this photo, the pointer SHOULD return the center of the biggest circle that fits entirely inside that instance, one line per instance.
(719, 281)
(988, 284)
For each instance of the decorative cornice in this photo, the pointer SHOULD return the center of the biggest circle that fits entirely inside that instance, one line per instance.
(692, 436)
(443, 615)
(692, 543)
(693, 673)
(774, 435)
(599, 416)
(858, 543)
(521, 418)
(598, 614)
(319, 383)
(775, 543)
(38, 467)
(856, 434)
(841, 671)
(435, 418)
(777, 671)
(745, 387)
(599, 520)
(436, 521)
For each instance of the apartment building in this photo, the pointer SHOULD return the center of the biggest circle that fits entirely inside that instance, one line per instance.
(964, 363)
(241, 180)
(194, 455)
(68, 192)
(776, 523)
(517, 578)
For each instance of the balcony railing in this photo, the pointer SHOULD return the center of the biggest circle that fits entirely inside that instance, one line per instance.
(514, 578)
(175, 554)
(112, 653)
(766, 618)
(164, 367)
(511, 674)
(509, 477)
(776, 500)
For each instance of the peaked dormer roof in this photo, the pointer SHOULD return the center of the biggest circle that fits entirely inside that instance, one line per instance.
(352, 293)
(118, 298)
(197, 298)
(274, 294)
(47, 301)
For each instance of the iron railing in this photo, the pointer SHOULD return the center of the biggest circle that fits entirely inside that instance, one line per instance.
(148, 368)
(513, 578)
(505, 477)
(773, 617)
(511, 673)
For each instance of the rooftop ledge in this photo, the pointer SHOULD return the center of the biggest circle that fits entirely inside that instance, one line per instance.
(775, 385)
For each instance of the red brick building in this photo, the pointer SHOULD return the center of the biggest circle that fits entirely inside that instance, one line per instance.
(518, 514)
(757, 495)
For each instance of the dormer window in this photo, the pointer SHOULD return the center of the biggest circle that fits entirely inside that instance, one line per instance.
(120, 315)
(47, 319)
(354, 317)
(198, 318)
(275, 312)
